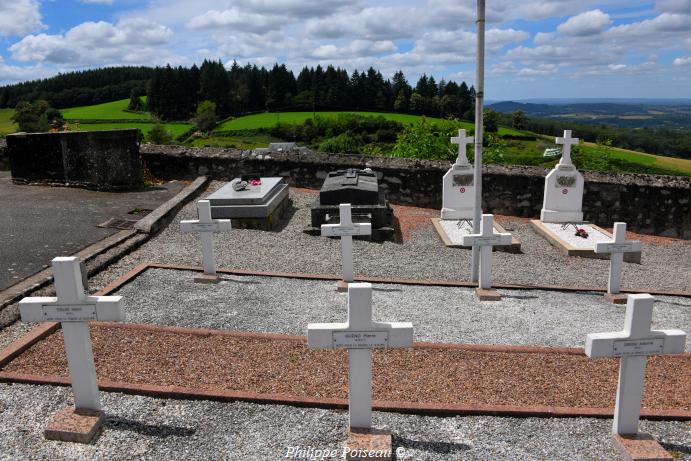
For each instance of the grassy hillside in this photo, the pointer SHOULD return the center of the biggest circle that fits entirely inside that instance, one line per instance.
(108, 111)
(587, 156)
(175, 128)
(6, 125)
(268, 120)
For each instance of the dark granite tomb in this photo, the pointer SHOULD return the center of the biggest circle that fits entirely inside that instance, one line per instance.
(360, 188)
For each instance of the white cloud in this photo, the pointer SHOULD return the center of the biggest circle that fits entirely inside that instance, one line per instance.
(104, 2)
(664, 23)
(588, 23)
(19, 17)
(542, 69)
(682, 62)
(674, 6)
(296, 8)
(236, 19)
(130, 41)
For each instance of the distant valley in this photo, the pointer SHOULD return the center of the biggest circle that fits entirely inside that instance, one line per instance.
(637, 113)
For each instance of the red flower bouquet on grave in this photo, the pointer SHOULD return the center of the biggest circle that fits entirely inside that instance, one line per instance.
(580, 232)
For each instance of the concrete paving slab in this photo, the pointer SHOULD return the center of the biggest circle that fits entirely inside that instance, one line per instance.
(38, 223)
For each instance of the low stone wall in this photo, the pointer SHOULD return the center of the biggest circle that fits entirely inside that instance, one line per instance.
(102, 160)
(4, 160)
(649, 204)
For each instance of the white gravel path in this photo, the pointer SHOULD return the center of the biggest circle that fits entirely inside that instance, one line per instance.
(439, 314)
(140, 427)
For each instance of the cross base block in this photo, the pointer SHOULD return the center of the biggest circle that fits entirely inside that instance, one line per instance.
(207, 278)
(369, 444)
(616, 298)
(484, 294)
(640, 447)
(73, 425)
(341, 286)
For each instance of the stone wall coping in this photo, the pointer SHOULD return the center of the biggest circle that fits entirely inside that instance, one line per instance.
(336, 161)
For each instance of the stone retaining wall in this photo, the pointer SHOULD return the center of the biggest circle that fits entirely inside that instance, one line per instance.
(4, 160)
(648, 203)
(102, 160)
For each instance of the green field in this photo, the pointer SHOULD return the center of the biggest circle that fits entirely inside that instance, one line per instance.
(108, 111)
(176, 129)
(270, 119)
(587, 156)
(7, 126)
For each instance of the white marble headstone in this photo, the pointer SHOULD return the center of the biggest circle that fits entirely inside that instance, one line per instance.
(563, 196)
(458, 189)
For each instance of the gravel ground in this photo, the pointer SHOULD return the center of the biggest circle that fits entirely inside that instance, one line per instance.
(439, 314)
(664, 267)
(140, 427)
(146, 428)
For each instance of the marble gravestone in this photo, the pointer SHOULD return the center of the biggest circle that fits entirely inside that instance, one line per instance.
(458, 189)
(633, 345)
(251, 202)
(563, 195)
(359, 335)
(73, 308)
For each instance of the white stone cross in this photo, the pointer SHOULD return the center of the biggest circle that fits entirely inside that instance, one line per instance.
(462, 140)
(567, 141)
(486, 239)
(346, 229)
(73, 308)
(617, 248)
(359, 335)
(206, 227)
(633, 345)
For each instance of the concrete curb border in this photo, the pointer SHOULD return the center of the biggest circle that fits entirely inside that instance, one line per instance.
(148, 226)
(161, 216)
(402, 281)
(437, 409)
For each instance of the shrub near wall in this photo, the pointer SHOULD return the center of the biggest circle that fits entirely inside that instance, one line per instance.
(648, 203)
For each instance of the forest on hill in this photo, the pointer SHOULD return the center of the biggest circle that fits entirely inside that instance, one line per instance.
(174, 93)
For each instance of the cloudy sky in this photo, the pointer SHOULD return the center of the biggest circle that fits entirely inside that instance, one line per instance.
(536, 48)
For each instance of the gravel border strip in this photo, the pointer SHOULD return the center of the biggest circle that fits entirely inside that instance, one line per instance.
(422, 408)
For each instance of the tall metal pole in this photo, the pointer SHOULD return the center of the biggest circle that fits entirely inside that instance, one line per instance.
(479, 97)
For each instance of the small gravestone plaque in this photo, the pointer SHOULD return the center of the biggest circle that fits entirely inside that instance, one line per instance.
(565, 181)
(360, 339)
(638, 347)
(75, 313)
(463, 180)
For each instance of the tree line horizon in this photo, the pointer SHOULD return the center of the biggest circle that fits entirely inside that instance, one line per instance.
(173, 93)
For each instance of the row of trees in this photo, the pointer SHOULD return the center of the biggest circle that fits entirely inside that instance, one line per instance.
(174, 93)
(80, 88)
